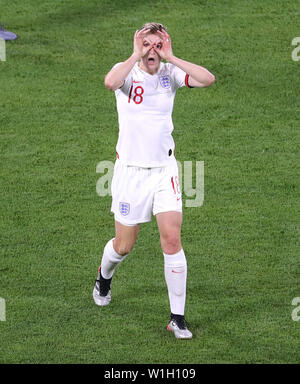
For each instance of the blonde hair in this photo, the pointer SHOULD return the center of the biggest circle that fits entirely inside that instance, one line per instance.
(154, 27)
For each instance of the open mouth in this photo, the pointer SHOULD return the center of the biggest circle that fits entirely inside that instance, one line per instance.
(151, 60)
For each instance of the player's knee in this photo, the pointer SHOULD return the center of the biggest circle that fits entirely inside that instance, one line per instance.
(171, 244)
(123, 248)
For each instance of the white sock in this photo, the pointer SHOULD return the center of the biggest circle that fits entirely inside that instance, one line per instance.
(110, 260)
(175, 275)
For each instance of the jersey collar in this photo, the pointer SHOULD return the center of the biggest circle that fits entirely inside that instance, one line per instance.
(148, 74)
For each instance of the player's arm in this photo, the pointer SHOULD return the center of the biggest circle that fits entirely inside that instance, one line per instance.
(116, 76)
(198, 76)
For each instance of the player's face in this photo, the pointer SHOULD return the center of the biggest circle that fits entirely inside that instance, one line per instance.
(151, 61)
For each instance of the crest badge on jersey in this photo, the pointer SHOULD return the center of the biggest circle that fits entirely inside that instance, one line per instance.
(165, 81)
(124, 208)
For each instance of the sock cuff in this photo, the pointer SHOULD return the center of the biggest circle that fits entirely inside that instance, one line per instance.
(176, 260)
(113, 255)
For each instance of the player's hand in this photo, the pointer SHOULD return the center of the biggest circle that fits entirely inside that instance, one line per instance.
(139, 49)
(165, 52)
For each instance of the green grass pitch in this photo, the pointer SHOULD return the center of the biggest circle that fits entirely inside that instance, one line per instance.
(57, 122)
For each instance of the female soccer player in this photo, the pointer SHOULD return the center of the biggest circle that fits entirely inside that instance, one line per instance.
(145, 179)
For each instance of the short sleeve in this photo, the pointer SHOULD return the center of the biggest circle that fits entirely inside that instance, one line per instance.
(180, 78)
(127, 83)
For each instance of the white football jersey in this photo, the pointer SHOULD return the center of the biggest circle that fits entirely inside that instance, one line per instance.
(145, 105)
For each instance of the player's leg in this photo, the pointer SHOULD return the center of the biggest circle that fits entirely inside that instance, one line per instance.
(125, 237)
(118, 248)
(131, 204)
(115, 251)
(169, 224)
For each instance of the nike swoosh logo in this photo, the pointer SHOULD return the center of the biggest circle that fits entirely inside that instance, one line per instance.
(176, 271)
(136, 81)
(178, 198)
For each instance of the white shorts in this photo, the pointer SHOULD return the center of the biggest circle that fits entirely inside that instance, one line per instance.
(137, 193)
